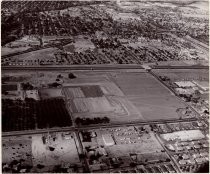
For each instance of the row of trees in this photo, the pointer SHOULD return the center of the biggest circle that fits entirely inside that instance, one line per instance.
(88, 121)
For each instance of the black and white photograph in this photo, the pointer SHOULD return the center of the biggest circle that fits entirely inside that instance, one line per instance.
(104, 86)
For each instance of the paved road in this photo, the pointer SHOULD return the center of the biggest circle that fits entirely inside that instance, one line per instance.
(97, 67)
(179, 67)
(73, 67)
(14, 133)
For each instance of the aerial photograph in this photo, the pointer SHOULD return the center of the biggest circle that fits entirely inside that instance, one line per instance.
(105, 86)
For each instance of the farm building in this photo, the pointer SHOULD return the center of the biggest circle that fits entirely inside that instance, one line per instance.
(108, 140)
(32, 94)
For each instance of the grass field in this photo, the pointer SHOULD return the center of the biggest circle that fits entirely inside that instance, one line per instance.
(149, 96)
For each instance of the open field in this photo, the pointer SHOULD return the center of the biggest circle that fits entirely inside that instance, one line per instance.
(16, 148)
(47, 150)
(65, 151)
(187, 135)
(50, 93)
(184, 74)
(45, 54)
(149, 96)
(7, 50)
(79, 45)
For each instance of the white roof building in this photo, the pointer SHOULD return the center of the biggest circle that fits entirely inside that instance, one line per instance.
(204, 85)
(32, 94)
(185, 84)
(108, 140)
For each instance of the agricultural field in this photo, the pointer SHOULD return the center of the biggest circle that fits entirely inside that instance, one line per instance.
(100, 100)
(30, 115)
(151, 98)
(103, 94)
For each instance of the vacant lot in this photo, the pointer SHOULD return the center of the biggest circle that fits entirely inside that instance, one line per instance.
(184, 74)
(16, 148)
(65, 151)
(80, 45)
(44, 54)
(187, 135)
(7, 50)
(151, 98)
(50, 93)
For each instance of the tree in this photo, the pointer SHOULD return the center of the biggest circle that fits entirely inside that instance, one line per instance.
(71, 76)
(132, 164)
(204, 168)
(40, 166)
(27, 86)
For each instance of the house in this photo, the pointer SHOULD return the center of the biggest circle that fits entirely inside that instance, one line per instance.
(185, 156)
(191, 161)
(182, 162)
